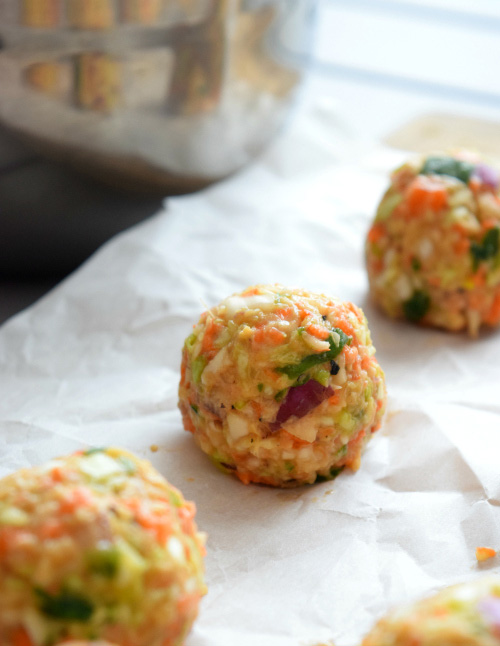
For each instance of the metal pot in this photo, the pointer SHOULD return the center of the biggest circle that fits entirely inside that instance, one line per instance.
(157, 95)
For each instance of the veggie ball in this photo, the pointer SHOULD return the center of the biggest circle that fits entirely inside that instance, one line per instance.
(97, 546)
(462, 615)
(433, 253)
(281, 386)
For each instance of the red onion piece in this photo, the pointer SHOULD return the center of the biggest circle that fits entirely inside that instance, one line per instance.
(300, 400)
(487, 175)
(490, 609)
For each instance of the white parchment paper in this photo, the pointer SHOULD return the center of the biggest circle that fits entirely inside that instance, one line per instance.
(96, 362)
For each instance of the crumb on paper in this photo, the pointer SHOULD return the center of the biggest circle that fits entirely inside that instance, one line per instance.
(485, 553)
(153, 448)
(390, 414)
(191, 479)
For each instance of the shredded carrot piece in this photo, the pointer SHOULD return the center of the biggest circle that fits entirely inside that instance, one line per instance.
(284, 312)
(334, 399)
(211, 331)
(366, 362)
(490, 223)
(479, 278)
(297, 442)
(346, 327)
(21, 638)
(78, 497)
(461, 246)
(188, 423)
(356, 311)
(485, 553)
(435, 281)
(475, 184)
(53, 528)
(269, 336)
(351, 354)
(183, 370)
(257, 409)
(376, 233)
(425, 193)
(245, 478)
(186, 515)
(57, 474)
(318, 331)
(251, 291)
(493, 316)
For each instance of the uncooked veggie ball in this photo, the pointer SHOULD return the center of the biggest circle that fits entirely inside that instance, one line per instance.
(462, 615)
(433, 252)
(281, 386)
(97, 546)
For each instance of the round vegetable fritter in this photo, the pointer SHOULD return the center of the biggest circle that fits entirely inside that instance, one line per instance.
(281, 386)
(461, 615)
(433, 252)
(97, 546)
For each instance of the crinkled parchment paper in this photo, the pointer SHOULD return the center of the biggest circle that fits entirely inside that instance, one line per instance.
(96, 362)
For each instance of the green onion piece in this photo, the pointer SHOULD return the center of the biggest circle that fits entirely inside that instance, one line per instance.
(198, 366)
(175, 498)
(190, 341)
(293, 371)
(105, 562)
(128, 464)
(417, 306)
(333, 473)
(461, 170)
(68, 606)
(195, 408)
(416, 265)
(488, 248)
(260, 387)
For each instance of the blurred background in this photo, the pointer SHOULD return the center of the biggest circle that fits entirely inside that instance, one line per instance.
(161, 97)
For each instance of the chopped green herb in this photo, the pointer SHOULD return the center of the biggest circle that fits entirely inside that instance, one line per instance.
(293, 371)
(68, 606)
(99, 449)
(461, 170)
(195, 408)
(488, 248)
(416, 265)
(280, 394)
(417, 306)
(104, 561)
(289, 466)
(333, 473)
(260, 387)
